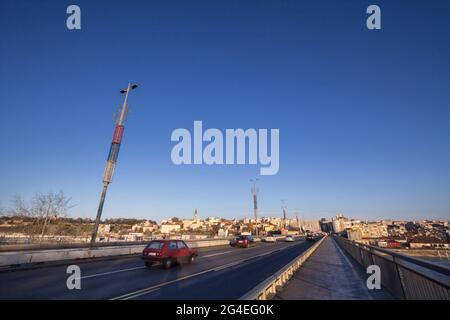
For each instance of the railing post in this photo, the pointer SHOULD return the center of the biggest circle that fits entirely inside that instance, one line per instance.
(371, 255)
(400, 277)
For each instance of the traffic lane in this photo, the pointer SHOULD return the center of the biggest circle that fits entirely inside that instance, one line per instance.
(101, 279)
(26, 283)
(113, 285)
(51, 285)
(97, 265)
(90, 266)
(98, 262)
(228, 283)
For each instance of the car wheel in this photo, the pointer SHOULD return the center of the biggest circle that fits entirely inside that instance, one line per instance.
(148, 264)
(167, 264)
(191, 259)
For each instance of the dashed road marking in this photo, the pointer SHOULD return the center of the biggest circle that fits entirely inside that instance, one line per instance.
(111, 272)
(216, 254)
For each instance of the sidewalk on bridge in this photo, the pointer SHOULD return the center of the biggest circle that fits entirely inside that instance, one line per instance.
(330, 274)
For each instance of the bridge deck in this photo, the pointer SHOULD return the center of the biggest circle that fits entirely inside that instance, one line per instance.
(330, 274)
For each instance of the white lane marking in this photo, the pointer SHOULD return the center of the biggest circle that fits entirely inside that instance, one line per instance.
(215, 254)
(137, 295)
(228, 265)
(144, 291)
(150, 289)
(241, 261)
(111, 272)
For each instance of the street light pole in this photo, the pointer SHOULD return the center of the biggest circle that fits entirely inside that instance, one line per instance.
(255, 203)
(298, 222)
(283, 208)
(112, 159)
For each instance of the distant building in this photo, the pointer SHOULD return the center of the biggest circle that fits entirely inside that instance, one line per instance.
(354, 235)
(213, 220)
(311, 225)
(133, 236)
(168, 228)
(222, 233)
(267, 227)
(104, 228)
(389, 244)
(421, 242)
(337, 227)
(368, 230)
(325, 225)
(144, 227)
(396, 229)
(339, 223)
(186, 224)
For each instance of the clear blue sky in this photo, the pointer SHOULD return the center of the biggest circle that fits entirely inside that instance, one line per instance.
(364, 116)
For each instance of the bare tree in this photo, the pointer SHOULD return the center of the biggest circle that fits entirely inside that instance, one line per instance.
(44, 207)
(20, 207)
(50, 206)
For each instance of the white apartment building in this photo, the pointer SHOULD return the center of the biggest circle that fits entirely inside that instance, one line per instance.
(371, 230)
(167, 228)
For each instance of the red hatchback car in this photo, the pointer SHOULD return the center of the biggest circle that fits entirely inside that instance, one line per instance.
(168, 252)
(245, 241)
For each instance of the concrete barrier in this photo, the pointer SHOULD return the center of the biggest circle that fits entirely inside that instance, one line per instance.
(207, 243)
(8, 259)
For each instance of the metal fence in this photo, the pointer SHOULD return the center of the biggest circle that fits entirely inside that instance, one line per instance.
(79, 245)
(267, 289)
(403, 276)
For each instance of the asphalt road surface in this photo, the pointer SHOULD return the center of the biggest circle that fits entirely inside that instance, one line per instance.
(218, 273)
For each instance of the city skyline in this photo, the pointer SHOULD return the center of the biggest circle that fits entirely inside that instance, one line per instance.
(363, 116)
(263, 214)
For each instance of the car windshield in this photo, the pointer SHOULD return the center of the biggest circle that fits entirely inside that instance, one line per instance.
(155, 245)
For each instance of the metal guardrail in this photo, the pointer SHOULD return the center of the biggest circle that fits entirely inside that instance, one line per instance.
(81, 245)
(267, 289)
(403, 276)
(14, 259)
(65, 245)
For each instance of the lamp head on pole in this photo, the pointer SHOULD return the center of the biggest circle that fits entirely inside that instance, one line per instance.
(131, 87)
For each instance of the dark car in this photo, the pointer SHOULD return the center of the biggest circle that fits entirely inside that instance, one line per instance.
(245, 241)
(168, 252)
(310, 237)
